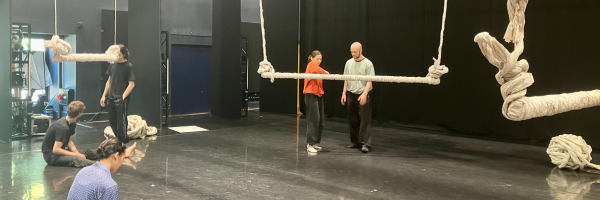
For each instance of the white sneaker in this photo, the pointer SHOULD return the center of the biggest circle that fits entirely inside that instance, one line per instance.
(310, 149)
(318, 148)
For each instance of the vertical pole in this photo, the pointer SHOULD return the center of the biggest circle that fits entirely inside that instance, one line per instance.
(298, 86)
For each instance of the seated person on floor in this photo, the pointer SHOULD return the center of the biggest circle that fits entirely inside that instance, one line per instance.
(58, 146)
(95, 181)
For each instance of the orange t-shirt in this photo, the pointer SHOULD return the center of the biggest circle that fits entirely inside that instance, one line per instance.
(314, 86)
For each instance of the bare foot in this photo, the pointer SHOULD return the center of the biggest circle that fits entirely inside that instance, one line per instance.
(130, 149)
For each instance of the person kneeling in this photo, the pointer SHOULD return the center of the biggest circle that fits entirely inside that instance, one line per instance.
(95, 181)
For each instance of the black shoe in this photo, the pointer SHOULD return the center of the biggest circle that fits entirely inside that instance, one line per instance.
(365, 149)
(354, 146)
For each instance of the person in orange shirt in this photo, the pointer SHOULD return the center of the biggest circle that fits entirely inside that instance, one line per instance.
(313, 98)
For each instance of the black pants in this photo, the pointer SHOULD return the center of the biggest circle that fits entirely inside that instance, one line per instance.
(359, 119)
(91, 156)
(117, 113)
(315, 113)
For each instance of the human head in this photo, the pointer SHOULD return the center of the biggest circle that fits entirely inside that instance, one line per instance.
(356, 50)
(124, 52)
(75, 108)
(315, 56)
(112, 153)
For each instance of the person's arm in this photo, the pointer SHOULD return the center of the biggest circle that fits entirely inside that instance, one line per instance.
(129, 88)
(106, 88)
(320, 70)
(72, 146)
(58, 150)
(344, 92)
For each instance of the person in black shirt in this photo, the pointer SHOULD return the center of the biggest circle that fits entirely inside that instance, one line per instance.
(116, 94)
(58, 147)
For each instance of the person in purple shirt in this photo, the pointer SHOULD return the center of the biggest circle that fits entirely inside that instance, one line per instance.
(95, 182)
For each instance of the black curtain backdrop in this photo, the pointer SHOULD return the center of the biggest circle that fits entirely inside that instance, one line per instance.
(281, 25)
(402, 37)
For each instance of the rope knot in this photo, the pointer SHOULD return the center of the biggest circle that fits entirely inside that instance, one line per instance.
(570, 151)
(59, 47)
(436, 70)
(266, 67)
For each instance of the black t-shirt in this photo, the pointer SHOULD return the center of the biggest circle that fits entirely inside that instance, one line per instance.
(120, 75)
(60, 131)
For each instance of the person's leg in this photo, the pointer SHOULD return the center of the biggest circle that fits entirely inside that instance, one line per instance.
(321, 119)
(91, 154)
(312, 117)
(365, 123)
(112, 114)
(130, 150)
(121, 132)
(69, 161)
(353, 118)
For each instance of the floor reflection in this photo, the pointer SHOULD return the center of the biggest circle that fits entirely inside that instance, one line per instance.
(567, 184)
(59, 179)
(139, 152)
(297, 138)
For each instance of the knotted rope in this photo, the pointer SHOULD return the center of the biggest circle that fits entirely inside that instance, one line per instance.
(267, 70)
(514, 78)
(571, 152)
(62, 50)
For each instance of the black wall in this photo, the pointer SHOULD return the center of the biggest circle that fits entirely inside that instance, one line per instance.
(144, 46)
(187, 17)
(401, 37)
(281, 25)
(226, 93)
(5, 111)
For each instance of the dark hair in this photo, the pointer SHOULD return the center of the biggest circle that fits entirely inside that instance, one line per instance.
(110, 147)
(314, 54)
(124, 51)
(75, 108)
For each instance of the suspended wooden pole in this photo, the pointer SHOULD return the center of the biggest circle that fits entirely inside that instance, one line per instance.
(298, 85)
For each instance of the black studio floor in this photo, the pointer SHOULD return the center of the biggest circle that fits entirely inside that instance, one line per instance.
(264, 157)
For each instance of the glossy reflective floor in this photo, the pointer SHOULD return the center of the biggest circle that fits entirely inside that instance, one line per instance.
(264, 157)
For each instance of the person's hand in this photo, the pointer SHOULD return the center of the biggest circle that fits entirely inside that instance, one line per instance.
(363, 99)
(343, 99)
(326, 72)
(102, 101)
(80, 155)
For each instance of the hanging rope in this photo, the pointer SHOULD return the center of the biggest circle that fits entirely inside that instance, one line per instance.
(514, 78)
(115, 22)
(63, 52)
(266, 69)
(55, 20)
(571, 152)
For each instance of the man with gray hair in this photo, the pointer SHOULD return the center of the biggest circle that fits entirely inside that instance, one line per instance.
(356, 94)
